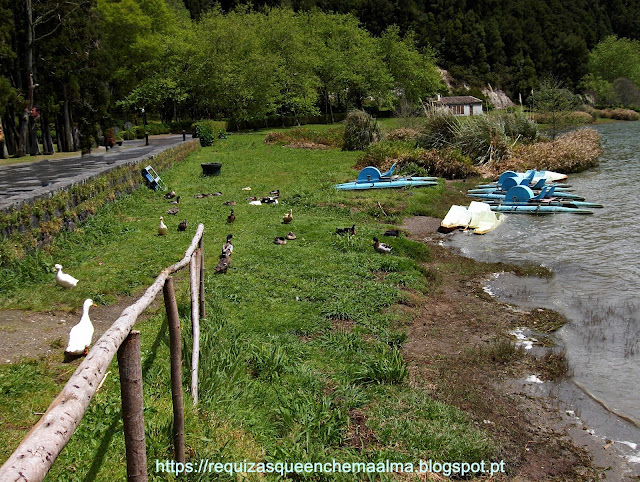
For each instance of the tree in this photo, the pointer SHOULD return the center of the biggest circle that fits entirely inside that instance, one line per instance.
(414, 74)
(554, 101)
(614, 58)
(626, 93)
(600, 90)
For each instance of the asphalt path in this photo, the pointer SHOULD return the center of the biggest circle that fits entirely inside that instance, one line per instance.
(29, 180)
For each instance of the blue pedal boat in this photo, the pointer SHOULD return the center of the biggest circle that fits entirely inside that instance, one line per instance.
(371, 178)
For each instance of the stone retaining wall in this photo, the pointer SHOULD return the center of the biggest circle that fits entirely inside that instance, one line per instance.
(32, 223)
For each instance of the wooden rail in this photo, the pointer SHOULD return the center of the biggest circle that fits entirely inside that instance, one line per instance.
(38, 450)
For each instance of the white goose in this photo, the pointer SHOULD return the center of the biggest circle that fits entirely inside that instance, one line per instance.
(162, 228)
(81, 335)
(63, 279)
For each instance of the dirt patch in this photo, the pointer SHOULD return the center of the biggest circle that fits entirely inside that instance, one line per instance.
(307, 145)
(459, 351)
(341, 325)
(423, 228)
(33, 335)
(359, 435)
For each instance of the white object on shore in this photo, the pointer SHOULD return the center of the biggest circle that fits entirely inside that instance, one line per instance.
(63, 279)
(477, 216)
(533, 379)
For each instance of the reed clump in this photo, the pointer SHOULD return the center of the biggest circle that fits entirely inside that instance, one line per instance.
(571, 152)
(484, 139)
(360, 130)
(618, 114)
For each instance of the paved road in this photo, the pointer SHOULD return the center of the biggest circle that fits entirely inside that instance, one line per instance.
(21, 182)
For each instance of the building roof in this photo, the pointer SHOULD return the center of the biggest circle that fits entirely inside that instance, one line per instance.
(459, 100)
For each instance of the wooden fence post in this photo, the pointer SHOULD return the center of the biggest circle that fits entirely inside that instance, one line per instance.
(175, 348)
(130, 368)
(202, 310)
(195, 323)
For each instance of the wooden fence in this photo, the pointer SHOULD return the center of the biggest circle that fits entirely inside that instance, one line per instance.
(36, 453)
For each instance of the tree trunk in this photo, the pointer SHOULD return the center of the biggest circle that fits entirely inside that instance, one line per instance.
(68, 134)
(4, 152)
(59, 134)
(23, 140)
(10, 133)
(24, 116)
(47, 141)
(331, 110)
(34, 145)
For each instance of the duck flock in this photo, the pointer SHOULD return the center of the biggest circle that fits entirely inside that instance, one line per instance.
(81, 335)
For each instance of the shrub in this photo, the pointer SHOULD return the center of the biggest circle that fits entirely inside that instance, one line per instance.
(205, 133)
(384, 153)
(155, 129)
(403, 134)
(178, 126)
(216, 126)
(518, 126)
(360, 131)
(448, 163)
(276, 138)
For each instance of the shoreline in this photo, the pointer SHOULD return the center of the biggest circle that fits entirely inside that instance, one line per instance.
(543, 439)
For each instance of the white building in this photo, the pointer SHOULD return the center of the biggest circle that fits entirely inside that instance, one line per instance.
(460, 105)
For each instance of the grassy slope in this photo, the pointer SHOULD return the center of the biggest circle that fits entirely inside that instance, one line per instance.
(297, 337)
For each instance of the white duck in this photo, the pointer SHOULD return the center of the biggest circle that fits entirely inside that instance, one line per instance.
(63, 279)
(81, 335)
(162, 228)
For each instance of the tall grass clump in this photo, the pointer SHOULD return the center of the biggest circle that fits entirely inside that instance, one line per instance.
(574, 151)
(483, 139)
(618, 114)
(360, 131)
(518, 126)
(440, 127)
(388, 366)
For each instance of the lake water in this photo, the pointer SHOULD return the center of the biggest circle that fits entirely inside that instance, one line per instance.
(596, 284)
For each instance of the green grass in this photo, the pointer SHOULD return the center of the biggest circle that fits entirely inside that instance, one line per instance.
(296, 336)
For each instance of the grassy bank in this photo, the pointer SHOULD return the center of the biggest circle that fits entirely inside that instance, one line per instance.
(302, 348)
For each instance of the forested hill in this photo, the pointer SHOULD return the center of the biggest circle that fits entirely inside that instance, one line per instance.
(509, 43)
